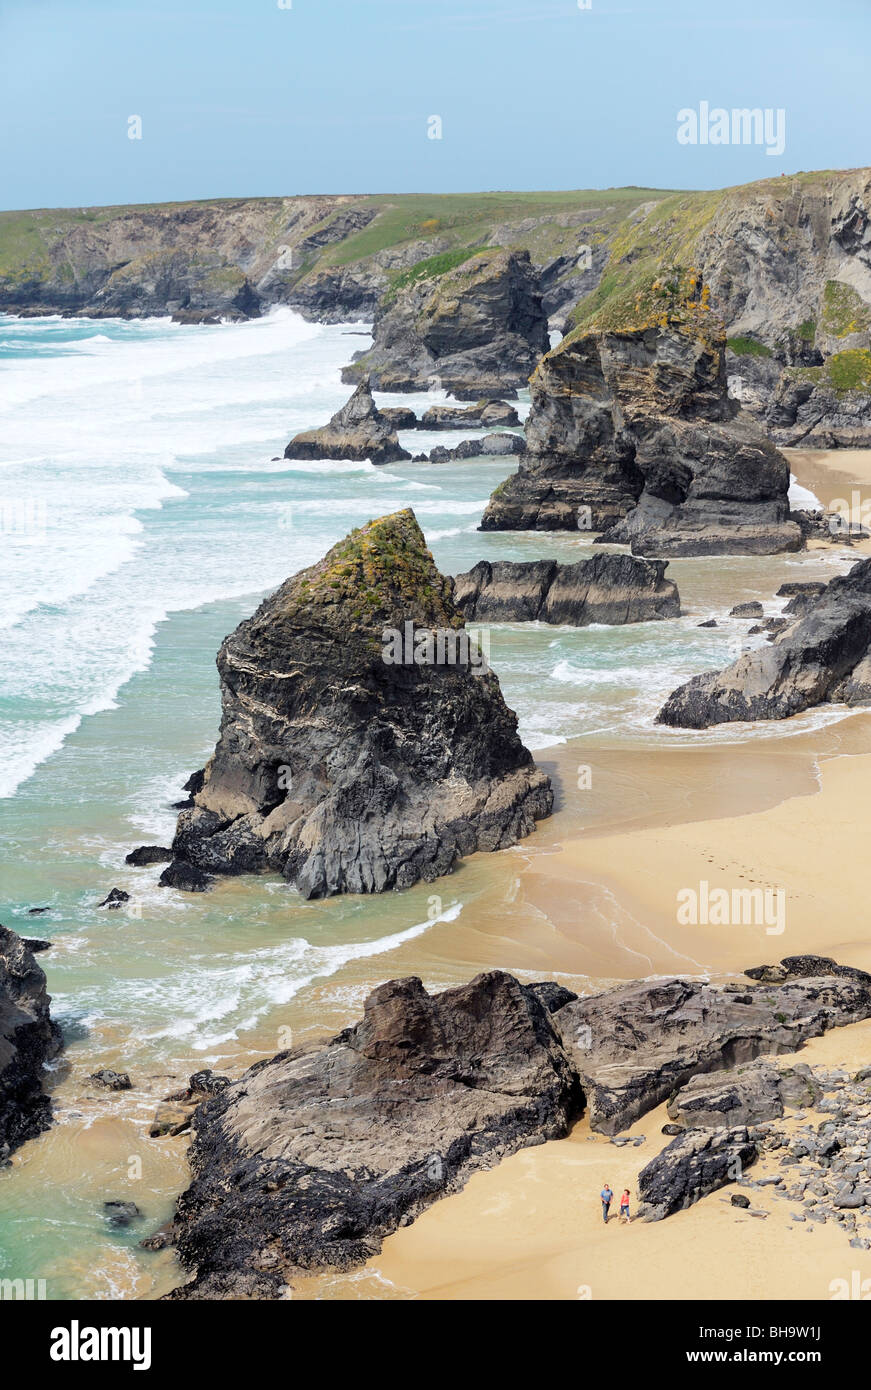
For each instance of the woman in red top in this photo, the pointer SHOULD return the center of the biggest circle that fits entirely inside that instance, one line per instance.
(624, 1206)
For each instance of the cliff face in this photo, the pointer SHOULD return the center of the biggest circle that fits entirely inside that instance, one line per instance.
(348, 765)
(632, 432)
(28, 1039)
(478, 328)
(332, 258)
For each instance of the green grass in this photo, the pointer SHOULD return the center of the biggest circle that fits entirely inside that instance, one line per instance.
(850, 371)
(460, 216)
(431, 268)
(843, 372)
(844, 311)
(748, 347)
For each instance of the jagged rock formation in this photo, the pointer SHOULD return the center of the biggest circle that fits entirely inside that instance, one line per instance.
(824, 656)
(632, 432)
(479, 327)
(602, 589)
(28, 1039)
(349, 762)
(827, 407)
(457, 1081)
(635, 1045)
(311, 1158)
(816, 404)
(358, 431)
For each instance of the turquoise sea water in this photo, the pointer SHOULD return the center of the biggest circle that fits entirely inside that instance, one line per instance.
(145, 509)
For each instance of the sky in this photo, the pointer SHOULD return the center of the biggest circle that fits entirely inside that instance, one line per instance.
(277, 97)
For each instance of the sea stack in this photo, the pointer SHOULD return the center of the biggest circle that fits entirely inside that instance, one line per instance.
(28, 1039)
(358, 431)
(364, 744)
(632, 432)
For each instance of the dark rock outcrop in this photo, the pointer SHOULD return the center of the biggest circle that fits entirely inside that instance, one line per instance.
(148, 854)
(698, 1162)
(121, 1214)
(637, 1044)
(358, 431)
(632, 433)
(745, 1095)
(400, 417)
(484, 415)
(606, 588)
(115, 899)
(808, 411)
(311, 1158)
(28, 1039)
(112, 1080)
(490, 446)
(823, 657)
(803, 967)
(364, 744)
(479, 327)
(187, 878)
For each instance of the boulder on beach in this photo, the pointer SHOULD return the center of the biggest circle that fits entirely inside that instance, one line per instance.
(605, 588)
(28, 1039)
(342, 1144)
(365, 744)
(691, 1166)
(358, 431)
(823, 657)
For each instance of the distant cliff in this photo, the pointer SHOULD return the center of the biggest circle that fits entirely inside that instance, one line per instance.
(788, 262)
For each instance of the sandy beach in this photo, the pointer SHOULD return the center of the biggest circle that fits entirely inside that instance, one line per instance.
(786, 815)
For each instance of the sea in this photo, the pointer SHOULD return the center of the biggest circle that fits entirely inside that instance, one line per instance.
(145, 509)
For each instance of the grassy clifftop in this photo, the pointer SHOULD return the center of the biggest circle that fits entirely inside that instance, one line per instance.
(768, 249)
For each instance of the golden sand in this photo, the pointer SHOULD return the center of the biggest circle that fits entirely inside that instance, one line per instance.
(791, 815)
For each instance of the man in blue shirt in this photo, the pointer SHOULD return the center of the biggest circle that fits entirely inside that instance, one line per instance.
(607, 1197)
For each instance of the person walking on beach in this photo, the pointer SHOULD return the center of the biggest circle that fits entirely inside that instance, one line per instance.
(607, 1197)
(624, 1207)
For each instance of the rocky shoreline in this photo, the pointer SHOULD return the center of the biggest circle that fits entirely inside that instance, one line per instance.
(28, 1039)
(310, 1159)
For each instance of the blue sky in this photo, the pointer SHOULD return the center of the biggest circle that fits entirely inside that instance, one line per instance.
(246, 97)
